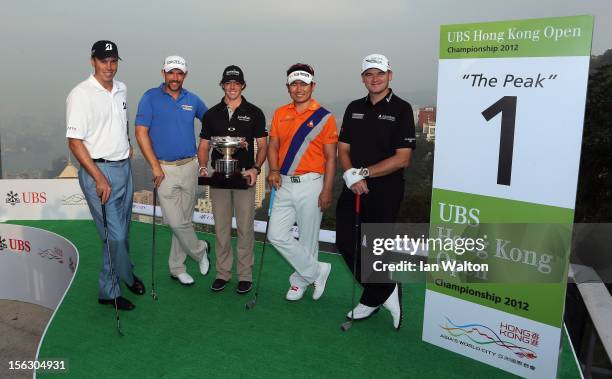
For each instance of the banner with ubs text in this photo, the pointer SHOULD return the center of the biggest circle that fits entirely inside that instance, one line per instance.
(511, 98)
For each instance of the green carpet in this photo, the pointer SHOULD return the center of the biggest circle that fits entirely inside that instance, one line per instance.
(193, 332)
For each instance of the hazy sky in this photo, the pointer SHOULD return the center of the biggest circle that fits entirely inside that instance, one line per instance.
(46, 44)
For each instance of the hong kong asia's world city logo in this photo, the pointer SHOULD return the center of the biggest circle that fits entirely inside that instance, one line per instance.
(53, 254)
(12, 198)
(74, 199)
(482, 335)
(2, 243)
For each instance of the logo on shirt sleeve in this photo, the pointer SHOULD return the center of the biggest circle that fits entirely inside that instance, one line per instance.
(357, 116)
(187, 107)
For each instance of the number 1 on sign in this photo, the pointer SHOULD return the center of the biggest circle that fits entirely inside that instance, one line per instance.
(507, 107)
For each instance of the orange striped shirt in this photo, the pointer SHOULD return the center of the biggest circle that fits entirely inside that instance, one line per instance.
(302, 136)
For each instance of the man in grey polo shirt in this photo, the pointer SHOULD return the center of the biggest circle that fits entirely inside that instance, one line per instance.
(96, 123)
(165, 133)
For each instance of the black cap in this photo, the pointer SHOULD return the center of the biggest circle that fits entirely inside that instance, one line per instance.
(104, 49)
(232, 73)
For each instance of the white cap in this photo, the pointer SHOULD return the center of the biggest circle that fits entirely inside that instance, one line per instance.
(174, 61)
(378, 61)
(304, 76)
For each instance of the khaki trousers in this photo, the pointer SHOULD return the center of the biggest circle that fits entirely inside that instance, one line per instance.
(177, 200)
(244, 208)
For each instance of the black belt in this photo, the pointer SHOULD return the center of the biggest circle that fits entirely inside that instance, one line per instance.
(102, 160)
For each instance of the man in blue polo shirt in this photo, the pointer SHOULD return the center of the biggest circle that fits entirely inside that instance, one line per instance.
(165, 133)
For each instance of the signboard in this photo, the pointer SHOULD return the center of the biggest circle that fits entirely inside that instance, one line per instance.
(511, 99)
(36, 266)
(42, 199)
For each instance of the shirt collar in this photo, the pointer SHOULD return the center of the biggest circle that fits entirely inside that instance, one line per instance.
(387, 98)
(313, 106)
(94, 82)
(183, 92)
(242, 102)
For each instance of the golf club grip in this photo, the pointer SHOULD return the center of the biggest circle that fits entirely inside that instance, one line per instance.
(272, 194)
(104, 214)
(357, 203)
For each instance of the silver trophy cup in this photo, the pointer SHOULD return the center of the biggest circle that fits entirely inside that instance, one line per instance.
(227, 146)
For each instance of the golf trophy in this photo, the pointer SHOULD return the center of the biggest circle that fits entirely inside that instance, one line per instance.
(227, 171)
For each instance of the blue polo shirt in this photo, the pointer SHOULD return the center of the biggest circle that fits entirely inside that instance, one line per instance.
(170, 122)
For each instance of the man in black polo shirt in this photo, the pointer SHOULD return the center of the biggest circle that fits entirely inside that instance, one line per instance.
(236, 117)
(375, 145)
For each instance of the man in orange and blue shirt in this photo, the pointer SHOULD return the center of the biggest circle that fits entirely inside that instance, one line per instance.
(302, 159)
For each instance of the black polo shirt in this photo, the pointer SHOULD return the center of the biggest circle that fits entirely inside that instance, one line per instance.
(375, 131)
(247, 121)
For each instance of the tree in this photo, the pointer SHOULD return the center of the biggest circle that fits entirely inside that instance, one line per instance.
(594, 198)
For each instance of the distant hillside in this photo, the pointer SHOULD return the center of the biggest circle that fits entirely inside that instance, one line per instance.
(597, 61)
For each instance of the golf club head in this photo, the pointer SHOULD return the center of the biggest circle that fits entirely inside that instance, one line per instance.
(154, 295)
(250, 304)
(119, 329)
(345, 326)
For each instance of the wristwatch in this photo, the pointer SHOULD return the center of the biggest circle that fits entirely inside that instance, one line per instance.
(257, 168)
(363, 171)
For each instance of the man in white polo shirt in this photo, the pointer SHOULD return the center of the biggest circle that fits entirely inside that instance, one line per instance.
(97, 132)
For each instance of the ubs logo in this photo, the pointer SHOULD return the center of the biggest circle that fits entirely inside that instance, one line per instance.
(14, 198)
(15, 245)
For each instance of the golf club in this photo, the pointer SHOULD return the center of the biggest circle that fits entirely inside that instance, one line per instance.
(347, 324)
(110, 263)
(251, 303)
(153, 292)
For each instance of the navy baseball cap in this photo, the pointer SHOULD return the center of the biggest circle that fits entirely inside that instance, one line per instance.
(232, 73)
(104, 49)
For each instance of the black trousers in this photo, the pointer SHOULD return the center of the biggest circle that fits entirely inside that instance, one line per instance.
(380, 205)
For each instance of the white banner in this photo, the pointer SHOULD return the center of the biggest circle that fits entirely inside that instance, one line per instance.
(208, 219)
(36, 266)
(42, 199)
(62, 199)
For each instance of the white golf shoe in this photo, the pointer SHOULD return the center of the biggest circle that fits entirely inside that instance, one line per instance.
(394, 305)
(184, 278)
(319, 283)
(361, 312)
(204, 263)
(295, 293)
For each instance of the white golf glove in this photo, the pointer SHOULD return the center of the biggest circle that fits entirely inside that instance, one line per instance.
(352, 176)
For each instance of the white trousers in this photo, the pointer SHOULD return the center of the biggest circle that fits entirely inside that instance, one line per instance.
(298, 202)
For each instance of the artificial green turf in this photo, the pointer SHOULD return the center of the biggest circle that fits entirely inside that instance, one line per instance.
(193, 332)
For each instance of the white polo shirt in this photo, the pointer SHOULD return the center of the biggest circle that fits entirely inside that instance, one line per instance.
(99, 118)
